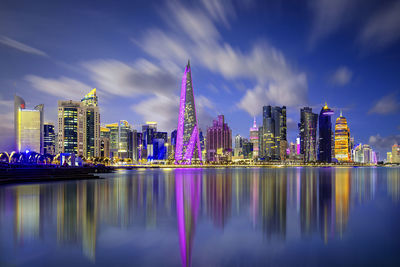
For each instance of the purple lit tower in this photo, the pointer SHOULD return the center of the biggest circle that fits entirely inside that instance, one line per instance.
(187, 140)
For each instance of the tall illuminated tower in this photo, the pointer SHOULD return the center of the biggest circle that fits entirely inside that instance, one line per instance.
(188, 141)
(342, 140)
(254, 138)
(325, 135)
(91, 121)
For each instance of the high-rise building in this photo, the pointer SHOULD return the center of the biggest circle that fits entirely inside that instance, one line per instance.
(91, 122)
(325, 135)
(28, 127)
(254, 138)
(395, 153)
(70, 127)
(308, 134)
(238, 150)
(272, 135)
(188, 140)
(104, 142)
(123, 140)
(79, 126)
(219, 141)
(248, 149)
(49, 139)
(342, 140)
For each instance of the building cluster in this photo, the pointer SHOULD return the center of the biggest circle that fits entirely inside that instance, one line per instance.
(79, 132)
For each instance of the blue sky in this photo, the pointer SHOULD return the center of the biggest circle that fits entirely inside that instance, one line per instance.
(244, 54)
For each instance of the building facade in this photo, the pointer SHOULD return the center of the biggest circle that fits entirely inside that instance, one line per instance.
(49, 139)
(104, 142)
(395, 154)
(325, 135)
(272, 134)
(219, 141)
(188, 140)
(342, 140)
(308, 134)
(91, 122)
(254, 138)
(123, 141)
(28, 127)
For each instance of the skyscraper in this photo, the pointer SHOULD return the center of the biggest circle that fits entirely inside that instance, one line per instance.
(238, 151)
(219, 141)
(325, 135)
(104, 142)
(49, 142)
(272, 135)
(254, 138)
(28, 127)
(342, 140)
(70, 127)
(91, 122)
(79, 126)
(308, 134)
(188, 141)
(123, 140)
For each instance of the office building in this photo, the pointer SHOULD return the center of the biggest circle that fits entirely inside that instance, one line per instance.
(188, 140)
(254, 138)
(123, 140)
(104, 142)
(325, 135)
(342, 140)
(308, 134)
(91, 125)
(272, 134)
(364, 154)
(238, 150)
(395, 153)
(28, 127)
(49, 139)
(219, 141)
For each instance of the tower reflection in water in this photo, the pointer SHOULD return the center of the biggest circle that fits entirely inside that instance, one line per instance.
(317, 201)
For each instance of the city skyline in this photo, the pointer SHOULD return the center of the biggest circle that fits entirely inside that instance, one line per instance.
(145, 76)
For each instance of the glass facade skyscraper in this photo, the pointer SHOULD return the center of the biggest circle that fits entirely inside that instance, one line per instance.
(188, 140)
(273, 134)
(308, 134)
(342, 140)
(325, 135)
(91, 122)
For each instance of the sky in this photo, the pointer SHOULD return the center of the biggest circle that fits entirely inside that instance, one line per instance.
(244, 55)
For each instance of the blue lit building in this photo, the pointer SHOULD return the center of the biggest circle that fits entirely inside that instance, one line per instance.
(325, 135)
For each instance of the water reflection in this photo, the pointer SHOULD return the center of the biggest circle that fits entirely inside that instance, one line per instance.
(318, 201)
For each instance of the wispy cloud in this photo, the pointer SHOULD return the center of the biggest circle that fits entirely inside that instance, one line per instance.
(130, 80)
(62, 87)
(329, 16)
(382, 29)
(341, 76)
(388, 104)
(21, 47)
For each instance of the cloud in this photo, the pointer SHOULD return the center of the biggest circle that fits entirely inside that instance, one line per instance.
(62, 87)
(192, 33)
(388, 104)
(165, 109)
(341, 76)
(130, 80)
(329, 16)
(220, 10)
(21, 47)
(382, 29)
(384, 143)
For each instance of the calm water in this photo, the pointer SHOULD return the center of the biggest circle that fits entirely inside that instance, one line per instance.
(206, 217)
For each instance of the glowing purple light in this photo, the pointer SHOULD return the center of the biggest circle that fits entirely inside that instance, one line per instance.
(194, 136)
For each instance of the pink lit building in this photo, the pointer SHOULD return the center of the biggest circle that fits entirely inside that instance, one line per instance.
(219, 141)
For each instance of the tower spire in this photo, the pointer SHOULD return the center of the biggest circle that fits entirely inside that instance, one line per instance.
(254, 124)
(341, 113)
